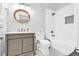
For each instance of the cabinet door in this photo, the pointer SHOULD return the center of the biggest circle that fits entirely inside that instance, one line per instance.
(14, 47)
(28, 44)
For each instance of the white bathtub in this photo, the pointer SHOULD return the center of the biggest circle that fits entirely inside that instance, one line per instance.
(62, 46)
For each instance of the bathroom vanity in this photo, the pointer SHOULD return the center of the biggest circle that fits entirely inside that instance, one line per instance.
(19, 44)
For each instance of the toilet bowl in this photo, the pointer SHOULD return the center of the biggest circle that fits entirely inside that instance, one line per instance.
(42, 45)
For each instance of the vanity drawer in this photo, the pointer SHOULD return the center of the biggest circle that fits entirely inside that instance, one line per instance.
(19, 36)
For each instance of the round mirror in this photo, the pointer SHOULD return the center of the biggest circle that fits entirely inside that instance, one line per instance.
(22, 16)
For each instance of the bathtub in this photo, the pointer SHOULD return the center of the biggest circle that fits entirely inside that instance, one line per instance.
(62, 46)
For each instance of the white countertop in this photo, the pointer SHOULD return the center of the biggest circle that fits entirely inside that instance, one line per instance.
(17, 32)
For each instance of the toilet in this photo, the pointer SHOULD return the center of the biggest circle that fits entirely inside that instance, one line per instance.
(42, 44)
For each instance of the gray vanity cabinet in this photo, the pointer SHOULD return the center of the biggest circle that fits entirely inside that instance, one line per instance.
(19, 44)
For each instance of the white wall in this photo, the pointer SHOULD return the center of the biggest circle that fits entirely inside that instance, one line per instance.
(65, 33)
(37, 19)
(76, 11)
(2, 29)
(50, 22)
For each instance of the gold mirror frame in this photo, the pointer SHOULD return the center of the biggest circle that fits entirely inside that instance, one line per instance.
(22, 20)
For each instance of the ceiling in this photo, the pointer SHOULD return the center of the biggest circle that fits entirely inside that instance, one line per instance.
(52, 6)
(56, 6)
